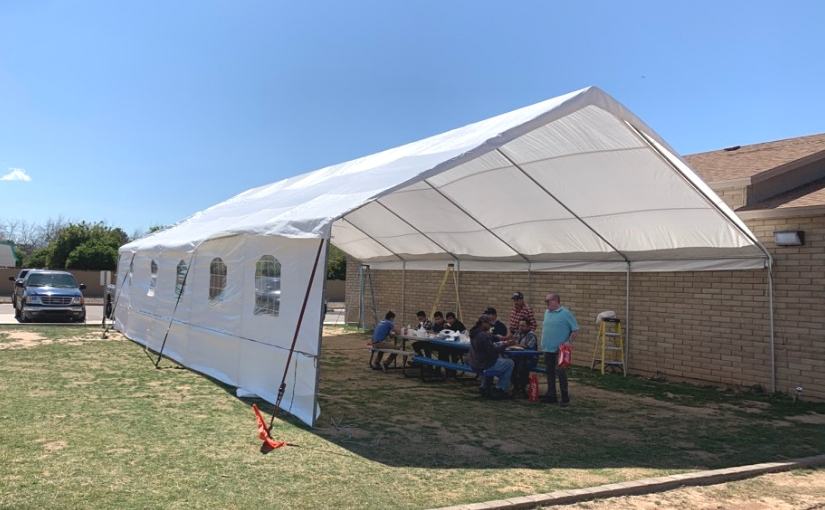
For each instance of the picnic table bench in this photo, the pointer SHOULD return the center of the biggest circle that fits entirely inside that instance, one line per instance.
(404, 355)
(449, 365)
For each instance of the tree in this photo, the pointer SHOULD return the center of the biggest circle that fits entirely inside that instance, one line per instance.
(93, 254)
(337, 264)
(98, 240)
(39, 258)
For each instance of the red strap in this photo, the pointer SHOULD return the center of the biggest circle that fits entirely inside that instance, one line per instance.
(263, 434)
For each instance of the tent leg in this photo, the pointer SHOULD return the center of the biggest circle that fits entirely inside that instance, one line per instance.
(773, 338)
(627, 321)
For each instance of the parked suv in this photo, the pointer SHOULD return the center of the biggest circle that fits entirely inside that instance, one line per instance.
(46, 294)
(22, 274)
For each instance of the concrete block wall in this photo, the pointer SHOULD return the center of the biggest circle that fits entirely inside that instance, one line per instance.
(711, 327)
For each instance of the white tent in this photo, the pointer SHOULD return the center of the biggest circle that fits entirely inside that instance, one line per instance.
(575, 183)
(8, 258)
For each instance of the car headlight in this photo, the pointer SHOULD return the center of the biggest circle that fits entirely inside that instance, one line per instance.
(78, 301)
(33, 300)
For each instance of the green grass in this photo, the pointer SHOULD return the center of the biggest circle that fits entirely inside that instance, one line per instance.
(87, 423)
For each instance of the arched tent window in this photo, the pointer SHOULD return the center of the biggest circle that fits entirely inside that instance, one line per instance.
(267, 286)
(153, 279)
(217, 279)
(180, 278)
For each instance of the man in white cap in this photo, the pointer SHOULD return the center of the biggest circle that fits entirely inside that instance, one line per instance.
(521, 312)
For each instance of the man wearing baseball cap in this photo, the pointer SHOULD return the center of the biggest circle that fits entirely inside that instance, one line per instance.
(521, 312)
(484, 355)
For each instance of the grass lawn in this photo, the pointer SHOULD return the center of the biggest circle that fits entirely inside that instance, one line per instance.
(90, 423)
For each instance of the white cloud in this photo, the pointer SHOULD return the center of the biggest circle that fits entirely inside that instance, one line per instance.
(16, 174)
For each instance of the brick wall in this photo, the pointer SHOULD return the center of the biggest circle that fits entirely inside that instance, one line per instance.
(711, 327)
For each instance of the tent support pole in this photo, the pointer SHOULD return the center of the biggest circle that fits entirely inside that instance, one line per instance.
(321, 331)
(282, 388)
(117, 298)
(529, 280)
(403, 290)
(627, 320)
(773, 340)
(175, 309)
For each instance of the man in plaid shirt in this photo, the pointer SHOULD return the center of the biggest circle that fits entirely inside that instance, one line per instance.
(521, 312)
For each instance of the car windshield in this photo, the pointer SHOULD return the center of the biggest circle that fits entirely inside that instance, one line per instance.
(65, 281)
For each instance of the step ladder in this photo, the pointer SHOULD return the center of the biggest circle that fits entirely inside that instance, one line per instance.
(364, 283)
(611, 343)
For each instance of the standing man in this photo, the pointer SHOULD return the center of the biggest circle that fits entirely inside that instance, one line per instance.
(559, 327)
(521, 312)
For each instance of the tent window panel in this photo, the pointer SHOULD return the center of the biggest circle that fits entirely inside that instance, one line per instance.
(217, 279)
(181, 276)
(267, 286)
(153, 279)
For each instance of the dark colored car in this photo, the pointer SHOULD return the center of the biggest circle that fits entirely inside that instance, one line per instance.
(267, 295)
(44, 294)
(22, 274)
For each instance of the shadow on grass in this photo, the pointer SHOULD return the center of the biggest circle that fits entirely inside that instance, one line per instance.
(614, 422)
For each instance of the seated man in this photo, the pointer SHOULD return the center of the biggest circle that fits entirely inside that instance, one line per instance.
(423, 321)
(422, 347)
(498, 328)
(525, 338)
(380, 340)
(453, 354)
(438, 322)
(453, 323)
(484, 355)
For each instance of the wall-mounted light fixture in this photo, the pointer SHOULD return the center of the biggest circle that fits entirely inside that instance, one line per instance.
(789, 238)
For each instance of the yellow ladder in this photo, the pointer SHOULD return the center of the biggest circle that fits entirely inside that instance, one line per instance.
(450, 269)
(612, 345)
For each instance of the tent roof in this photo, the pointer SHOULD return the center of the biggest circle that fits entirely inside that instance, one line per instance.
(572, 183)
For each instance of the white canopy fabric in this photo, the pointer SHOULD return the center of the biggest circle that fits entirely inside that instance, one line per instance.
(575, 183)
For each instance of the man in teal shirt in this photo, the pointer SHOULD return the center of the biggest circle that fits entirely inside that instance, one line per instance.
(559, 327)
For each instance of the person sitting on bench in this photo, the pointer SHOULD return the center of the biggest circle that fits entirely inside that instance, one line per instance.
(422, 347)
(380, 340)
(527, 339)
(484, 355)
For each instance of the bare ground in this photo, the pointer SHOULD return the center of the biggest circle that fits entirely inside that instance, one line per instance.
(795, 490)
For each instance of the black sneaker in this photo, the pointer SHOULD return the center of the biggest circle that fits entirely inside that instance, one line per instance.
(499, 394)
(565, 403)
(549, 400)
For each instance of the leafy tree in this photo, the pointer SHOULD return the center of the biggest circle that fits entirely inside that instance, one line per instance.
(93, 254)
(39, 258)
(337, 264)
(96, 236)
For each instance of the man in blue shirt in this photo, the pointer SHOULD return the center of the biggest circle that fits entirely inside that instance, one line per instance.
(380, 340)
(559, 327)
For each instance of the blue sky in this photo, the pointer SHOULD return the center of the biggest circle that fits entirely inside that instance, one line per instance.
(143, 113)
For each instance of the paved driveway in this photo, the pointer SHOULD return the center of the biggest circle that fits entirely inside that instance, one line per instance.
(94, 314)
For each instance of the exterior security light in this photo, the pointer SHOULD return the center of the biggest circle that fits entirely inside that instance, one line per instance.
(789, 238)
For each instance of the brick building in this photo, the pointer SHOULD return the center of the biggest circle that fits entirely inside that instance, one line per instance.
(708, 326)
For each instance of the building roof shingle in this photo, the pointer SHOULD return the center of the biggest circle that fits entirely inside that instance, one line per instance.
(751, 160)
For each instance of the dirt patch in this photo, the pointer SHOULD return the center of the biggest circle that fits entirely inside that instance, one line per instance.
(778, 491)
(812, 418)
(31, 339)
